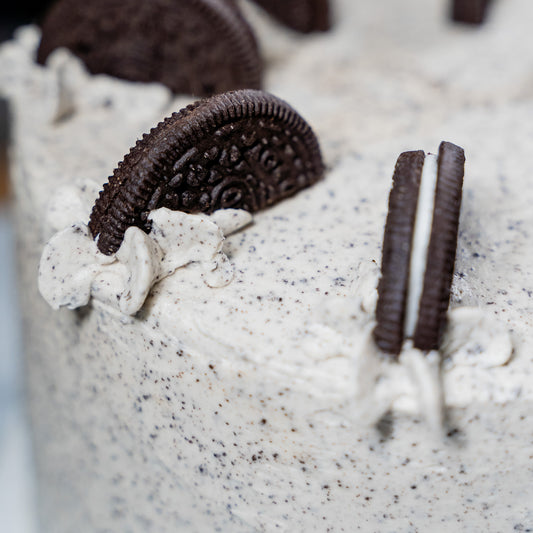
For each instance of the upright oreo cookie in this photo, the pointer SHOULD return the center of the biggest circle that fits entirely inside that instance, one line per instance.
(419, 249)
(199, 47)
(301, 15)
(244, 149)
(469, 11)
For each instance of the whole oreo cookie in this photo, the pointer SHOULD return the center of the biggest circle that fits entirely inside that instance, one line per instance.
(199, 47)
(301, 15)
(244, 149)
(419, 248)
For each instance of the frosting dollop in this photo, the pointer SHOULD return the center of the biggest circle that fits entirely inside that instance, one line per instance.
(72, 269)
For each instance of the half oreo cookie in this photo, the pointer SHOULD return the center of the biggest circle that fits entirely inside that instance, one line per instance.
(469, 11)
(419, 248)
(305, 16)
(198, 47)
(244, 149)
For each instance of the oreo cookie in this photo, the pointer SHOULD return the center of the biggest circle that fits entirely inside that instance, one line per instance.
(199, 47)
(305, 16)
(469, 11)
(244, 149)
(419, 248)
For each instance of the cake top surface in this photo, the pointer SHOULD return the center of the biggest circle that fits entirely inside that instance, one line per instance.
(299, 307)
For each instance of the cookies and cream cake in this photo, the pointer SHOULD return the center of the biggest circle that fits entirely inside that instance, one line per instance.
(225, 376)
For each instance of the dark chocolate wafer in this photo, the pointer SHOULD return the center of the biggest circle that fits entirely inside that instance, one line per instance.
(392, 289)
(469, 11)
(199, 47)
(442, 247)
(419, 249)
(244, 149)
(301, 15)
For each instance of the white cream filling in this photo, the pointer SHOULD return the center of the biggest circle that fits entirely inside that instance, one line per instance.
(420, 243)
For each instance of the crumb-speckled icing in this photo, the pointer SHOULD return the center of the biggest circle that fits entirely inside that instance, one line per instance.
(72, 269)
(263, 404)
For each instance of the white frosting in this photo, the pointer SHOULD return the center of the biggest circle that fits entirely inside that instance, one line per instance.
(253, 406)
(72, 269)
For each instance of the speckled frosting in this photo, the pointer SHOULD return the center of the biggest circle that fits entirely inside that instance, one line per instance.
(263, 404)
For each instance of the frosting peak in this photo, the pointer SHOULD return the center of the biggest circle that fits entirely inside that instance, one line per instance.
(72, 269)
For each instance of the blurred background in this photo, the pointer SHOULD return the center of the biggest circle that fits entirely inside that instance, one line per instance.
(17, 498)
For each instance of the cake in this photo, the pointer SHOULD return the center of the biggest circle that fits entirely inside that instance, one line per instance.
(259, 401)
